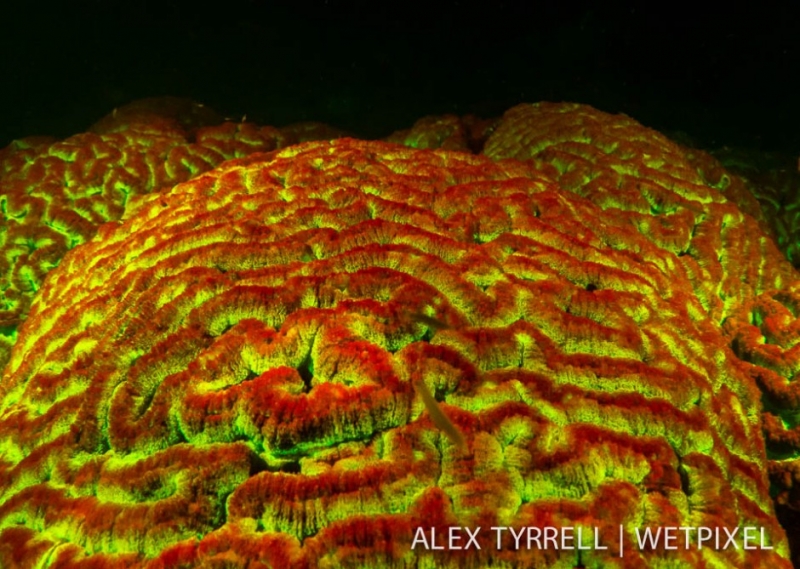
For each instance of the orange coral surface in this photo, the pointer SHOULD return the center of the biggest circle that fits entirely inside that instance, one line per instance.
(55, 194)
(226, 375)
(610, 160)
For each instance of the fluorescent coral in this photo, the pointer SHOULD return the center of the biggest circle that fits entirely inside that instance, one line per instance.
(55, 194)
(765, 334)
(674, 197)
(226, 375)
(447, 132)
(774, 179)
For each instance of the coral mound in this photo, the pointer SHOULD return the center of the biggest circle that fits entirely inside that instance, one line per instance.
(678, 200)
(774, 179)
(229, 375)
(55, 194)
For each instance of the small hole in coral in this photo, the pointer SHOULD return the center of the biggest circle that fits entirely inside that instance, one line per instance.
(306, 371)
(292, 467)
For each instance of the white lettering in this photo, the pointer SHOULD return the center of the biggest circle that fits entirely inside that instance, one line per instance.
(567, 538)
(472, 539)
(550, 535)
(517, 536)
(731, 537)
(704, 534)
(453, 538)
(687, 531)
(648, 537)
(499, 530)
(748, 538)
(419, 535)
(669, 535)
(534, 536)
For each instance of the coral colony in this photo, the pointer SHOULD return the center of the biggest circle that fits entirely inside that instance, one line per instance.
(556, 339)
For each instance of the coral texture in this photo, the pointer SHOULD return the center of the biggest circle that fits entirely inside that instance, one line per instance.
(774, 179)
(448, 132)
(765, 334)
(604, 158)
(675, 198)
(55, 194)
(226, 376)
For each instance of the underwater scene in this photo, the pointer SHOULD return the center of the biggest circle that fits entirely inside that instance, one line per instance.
(322, 286)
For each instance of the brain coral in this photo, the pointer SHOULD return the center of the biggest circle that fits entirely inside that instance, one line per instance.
(678, 201)
(745, 285)
(228, 375)
(774, 179)
(54, 194)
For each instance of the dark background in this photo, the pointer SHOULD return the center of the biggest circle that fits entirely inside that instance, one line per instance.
(724, 78)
